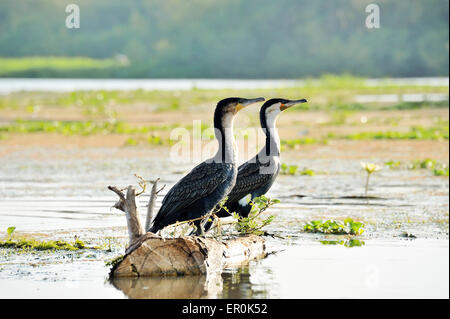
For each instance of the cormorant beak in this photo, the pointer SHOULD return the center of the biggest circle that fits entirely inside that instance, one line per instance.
(291, 103)
(246, 102)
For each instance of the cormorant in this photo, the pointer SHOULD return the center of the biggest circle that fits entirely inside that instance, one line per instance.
(256, 176)
(197, 193)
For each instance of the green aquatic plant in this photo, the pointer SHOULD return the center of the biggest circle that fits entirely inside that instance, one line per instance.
(81, 128)
(441, 171)
(10, 231)
(415, 105)
(295, 143)
(307, 172)
(114, 261)
(131, 142)
(415, 133)
(286, 169)
(423, 164)
(253, 224)
(370, 168)
(393, 164)
(437, 168)
(42, 245)
(336, 227)
(24, 243)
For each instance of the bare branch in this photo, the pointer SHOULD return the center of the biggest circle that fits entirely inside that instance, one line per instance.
(128, 205)
(151, 204)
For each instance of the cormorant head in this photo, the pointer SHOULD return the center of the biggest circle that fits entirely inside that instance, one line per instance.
(273, 107)
(235, 104)
(227, 108)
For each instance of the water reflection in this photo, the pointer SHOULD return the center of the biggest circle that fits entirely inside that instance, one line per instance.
(239, 283)
(232, 283)
(187, 287)
(349, 243)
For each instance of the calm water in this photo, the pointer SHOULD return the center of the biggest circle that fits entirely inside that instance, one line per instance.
(57, 196)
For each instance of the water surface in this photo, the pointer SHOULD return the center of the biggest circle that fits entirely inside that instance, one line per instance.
(59, 197)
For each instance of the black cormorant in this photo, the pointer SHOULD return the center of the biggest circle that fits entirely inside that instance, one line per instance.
(256, 176)
(197, 193)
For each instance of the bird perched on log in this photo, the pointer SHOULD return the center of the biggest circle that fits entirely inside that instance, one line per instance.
(256, 176)
(197, 193)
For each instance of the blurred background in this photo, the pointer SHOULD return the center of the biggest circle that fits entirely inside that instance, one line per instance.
(223, 39)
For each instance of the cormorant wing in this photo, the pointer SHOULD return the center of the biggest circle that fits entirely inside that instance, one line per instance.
(248, 180)
(200, 182)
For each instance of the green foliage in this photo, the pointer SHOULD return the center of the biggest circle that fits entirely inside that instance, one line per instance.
(440, 171)
(307, 172)
(348, 227)
(415, 133)
(288, 169)
(416, 105)
(10, 231)
(295, 143)
(84, 128)
(438, 168)
(114, 261)
(293, 170)
(54, 65)
(131, 142)
(24, 243)
(426, 163)
(253, 223)
(42, 245)
(173, 38)
(393, 164)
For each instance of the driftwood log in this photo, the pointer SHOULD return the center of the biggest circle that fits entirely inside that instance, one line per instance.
(150, 255)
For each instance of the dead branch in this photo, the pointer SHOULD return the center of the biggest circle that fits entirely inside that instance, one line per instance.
(151, 203)
(128, 206)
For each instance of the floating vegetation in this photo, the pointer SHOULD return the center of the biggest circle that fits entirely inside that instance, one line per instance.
(288, 169)
(153, 139)
(349, 243)
(440, 171)
(348, 227)
(44, 245)
(295, 143)
(114, 261)
(294, 170)
(416, 105)
(131, 142)
(55, 65)
(78, 127)
(415, 133)
(24, 243)
(437, 168)
(10, 231)
(423, 164)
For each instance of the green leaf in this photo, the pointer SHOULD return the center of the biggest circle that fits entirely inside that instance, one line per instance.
(10, 231)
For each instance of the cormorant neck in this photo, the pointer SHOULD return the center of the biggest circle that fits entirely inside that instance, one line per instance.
(272, 145)
(223, 125)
